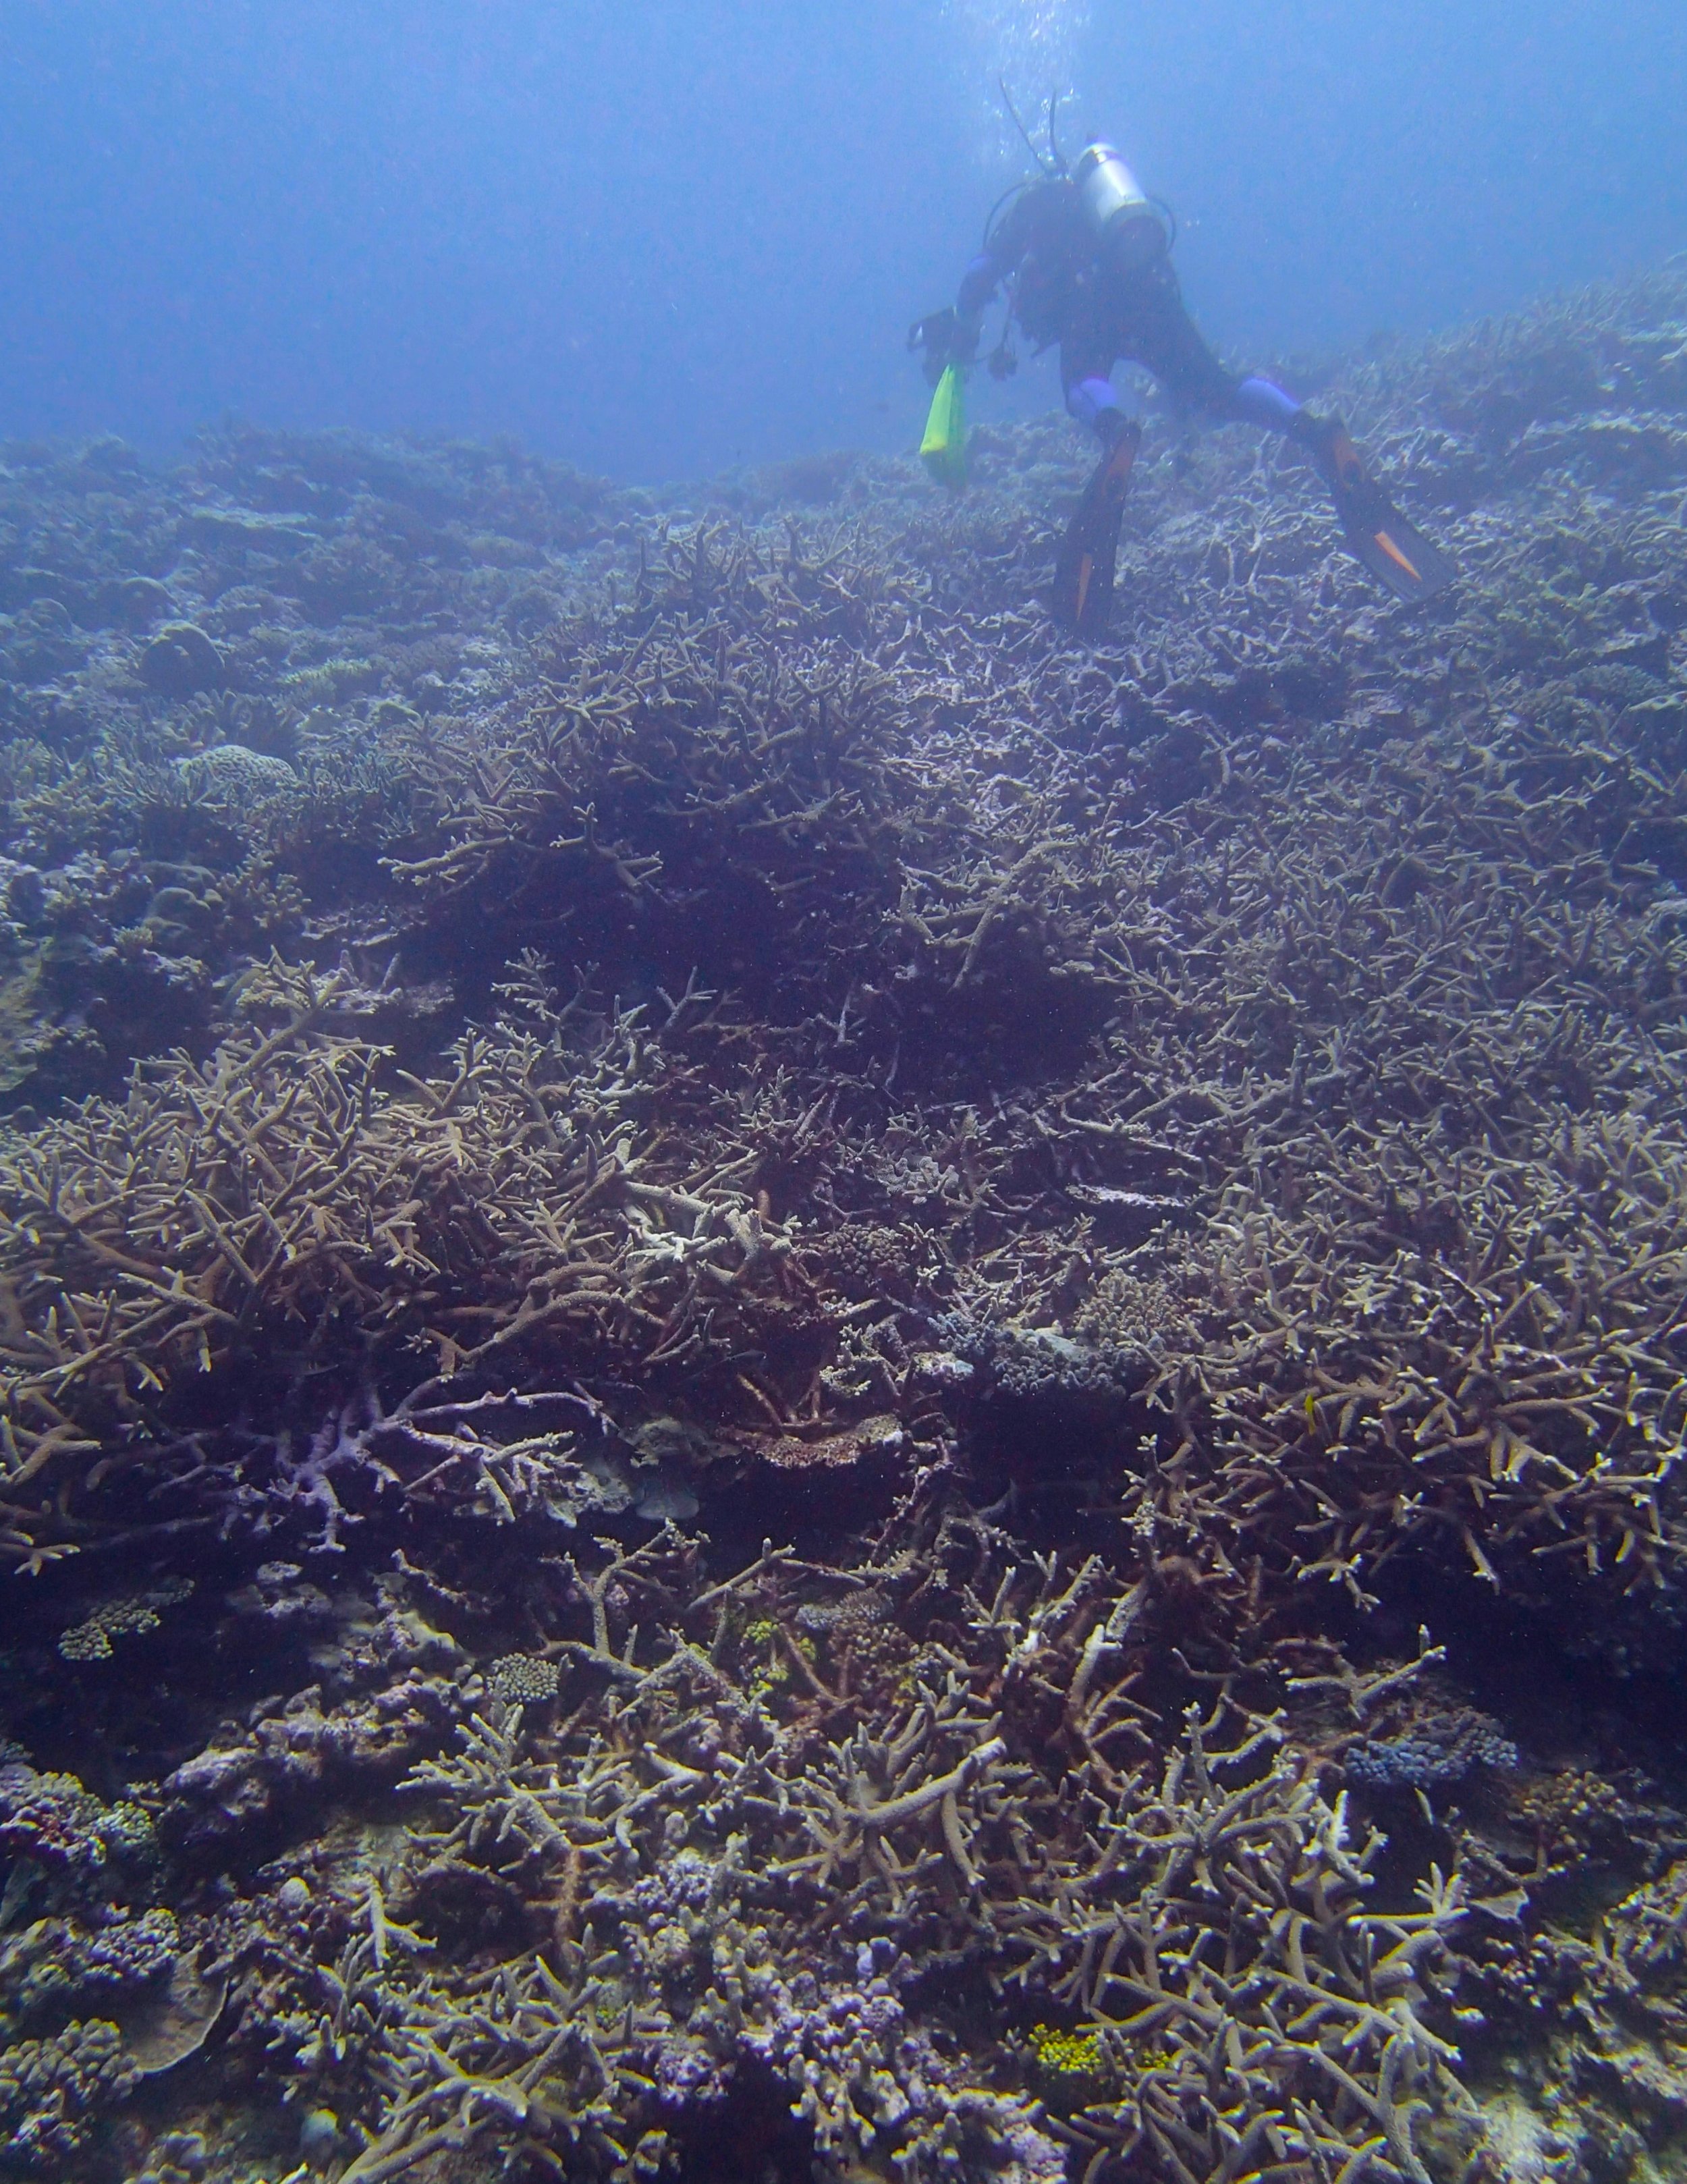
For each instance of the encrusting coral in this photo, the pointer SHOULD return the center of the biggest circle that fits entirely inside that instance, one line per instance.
(550, 1038)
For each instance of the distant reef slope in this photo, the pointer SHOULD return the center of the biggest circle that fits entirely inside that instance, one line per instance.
(792, 1385)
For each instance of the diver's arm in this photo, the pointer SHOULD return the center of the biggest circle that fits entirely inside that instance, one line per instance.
(963, 325)
(978, 284)
(950, 335)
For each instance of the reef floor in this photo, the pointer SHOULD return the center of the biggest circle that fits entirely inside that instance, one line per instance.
(795, 1386)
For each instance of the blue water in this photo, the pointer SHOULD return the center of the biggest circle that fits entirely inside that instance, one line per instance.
(658, 239)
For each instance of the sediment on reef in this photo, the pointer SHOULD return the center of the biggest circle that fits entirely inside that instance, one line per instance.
(553, 1038)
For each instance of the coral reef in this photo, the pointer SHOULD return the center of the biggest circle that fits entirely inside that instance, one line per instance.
(57, 1964)
(699, 1889)
(52, 2093)
(90, 1640)
(795, 1386)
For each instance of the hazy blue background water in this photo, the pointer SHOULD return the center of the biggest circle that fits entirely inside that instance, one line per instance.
(659, 237)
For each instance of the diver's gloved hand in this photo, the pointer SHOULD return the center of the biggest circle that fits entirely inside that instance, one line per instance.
(947, 338)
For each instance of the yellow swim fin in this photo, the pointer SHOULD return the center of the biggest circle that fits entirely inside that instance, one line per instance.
(944, 450)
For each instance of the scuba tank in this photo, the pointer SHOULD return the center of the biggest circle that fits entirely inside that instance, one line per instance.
(1117, 210)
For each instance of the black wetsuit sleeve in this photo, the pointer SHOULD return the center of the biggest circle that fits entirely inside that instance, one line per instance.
(1007, 244)
(978, 283)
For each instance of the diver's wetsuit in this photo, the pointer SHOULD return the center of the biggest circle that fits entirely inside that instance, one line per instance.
(1102, 306)
(1088, 264)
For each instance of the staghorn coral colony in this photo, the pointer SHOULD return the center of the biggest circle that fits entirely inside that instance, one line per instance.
(795, 1387)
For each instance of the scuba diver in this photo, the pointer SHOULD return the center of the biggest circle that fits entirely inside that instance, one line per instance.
(1086, 258)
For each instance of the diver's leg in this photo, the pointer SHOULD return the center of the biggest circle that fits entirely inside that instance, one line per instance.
(1257, 400)
(1393, 550)
(1087, 558)
(1165, 338)
(1260, 401)
(1091, 396)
